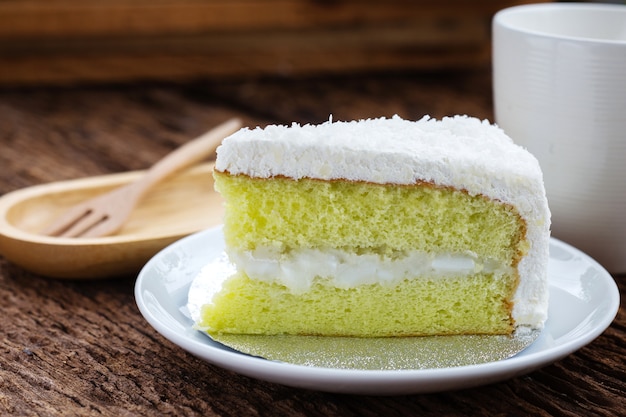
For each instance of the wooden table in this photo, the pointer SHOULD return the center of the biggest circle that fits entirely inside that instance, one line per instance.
(82, 347)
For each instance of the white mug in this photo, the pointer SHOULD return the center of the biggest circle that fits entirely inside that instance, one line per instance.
(559, 83)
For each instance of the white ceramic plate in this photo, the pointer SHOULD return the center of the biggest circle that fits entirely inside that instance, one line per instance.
(584, 300)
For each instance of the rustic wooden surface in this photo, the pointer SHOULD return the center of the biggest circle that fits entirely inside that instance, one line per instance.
(62, 41)
(82, 348)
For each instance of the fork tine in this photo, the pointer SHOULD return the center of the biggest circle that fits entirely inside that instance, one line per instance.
(103, 226)
(73, 223)
(67, 220)
(84, 224)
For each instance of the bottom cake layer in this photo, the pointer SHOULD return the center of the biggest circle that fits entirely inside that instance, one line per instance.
(475, 304)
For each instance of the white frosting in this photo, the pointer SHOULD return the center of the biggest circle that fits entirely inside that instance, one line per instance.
(298, 269)
(461, 152)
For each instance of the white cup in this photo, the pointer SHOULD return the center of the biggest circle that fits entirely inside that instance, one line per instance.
(559, 74)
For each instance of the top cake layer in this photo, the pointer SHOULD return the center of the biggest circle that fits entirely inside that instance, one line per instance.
(461, 152)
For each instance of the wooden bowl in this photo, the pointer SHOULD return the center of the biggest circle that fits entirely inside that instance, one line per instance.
(179, 206)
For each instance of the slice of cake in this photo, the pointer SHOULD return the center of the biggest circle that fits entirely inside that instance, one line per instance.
(381, 227)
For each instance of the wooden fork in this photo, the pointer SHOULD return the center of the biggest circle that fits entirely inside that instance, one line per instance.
(105, 214)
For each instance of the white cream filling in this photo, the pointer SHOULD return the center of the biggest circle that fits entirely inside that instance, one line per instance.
(297, 269)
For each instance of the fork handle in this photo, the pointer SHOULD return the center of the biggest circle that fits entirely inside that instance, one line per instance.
(189, 154)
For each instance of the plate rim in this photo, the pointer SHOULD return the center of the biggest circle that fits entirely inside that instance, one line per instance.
(366, 381)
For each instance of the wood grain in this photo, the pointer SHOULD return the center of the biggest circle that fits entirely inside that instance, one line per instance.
(82, 348)
(65, 18)
(69, 41)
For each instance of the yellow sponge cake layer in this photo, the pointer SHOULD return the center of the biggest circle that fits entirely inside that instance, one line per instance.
(425, 306)
(367, 217)
(363, 218)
